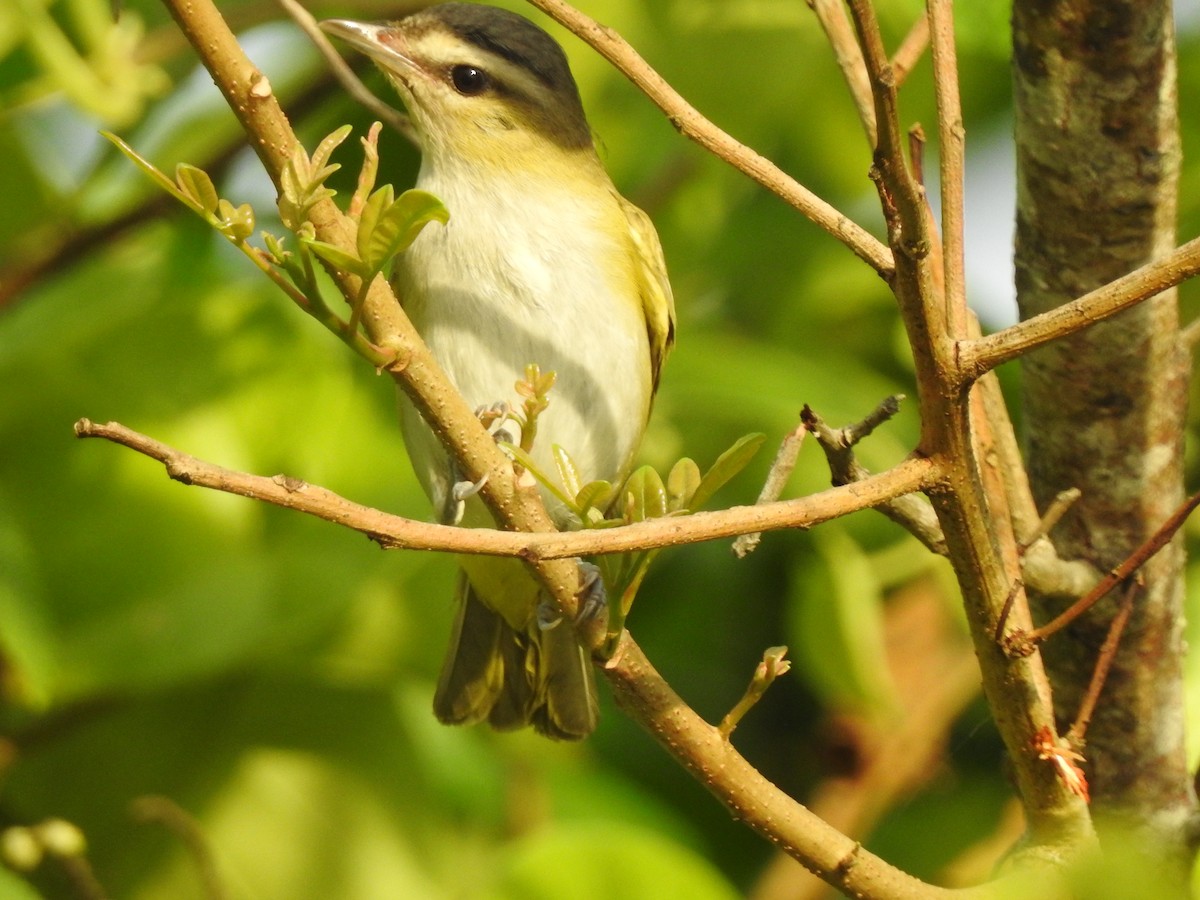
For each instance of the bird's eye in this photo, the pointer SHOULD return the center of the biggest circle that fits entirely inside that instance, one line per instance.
(469, 80)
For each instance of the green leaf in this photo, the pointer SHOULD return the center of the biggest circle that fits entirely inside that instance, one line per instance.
(338, 258)
(568, 473)
(387, 227)
(197, 186)
(682, 484)
(728, 464)
(325, 149)
(645, 495)
(150, 169)
(274, 247)
(237, 222)
(595, 495)
(302, 180)
(835, 617)
(377, 204)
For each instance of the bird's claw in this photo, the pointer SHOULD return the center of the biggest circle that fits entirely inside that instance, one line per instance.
(460, 493)
(593, 598)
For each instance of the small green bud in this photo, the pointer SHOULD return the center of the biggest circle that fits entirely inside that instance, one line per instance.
(20, 849)
(61, 837)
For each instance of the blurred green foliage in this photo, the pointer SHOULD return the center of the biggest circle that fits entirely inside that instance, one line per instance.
(272, 674)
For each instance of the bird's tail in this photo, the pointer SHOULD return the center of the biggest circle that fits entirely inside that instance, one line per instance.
(512, 678)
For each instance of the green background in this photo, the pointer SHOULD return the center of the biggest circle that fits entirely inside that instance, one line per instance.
(272, 674)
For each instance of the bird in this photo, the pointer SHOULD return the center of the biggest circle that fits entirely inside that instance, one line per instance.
(541, 261)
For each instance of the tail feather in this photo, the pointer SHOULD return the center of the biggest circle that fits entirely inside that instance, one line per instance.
(514, 678)
(473, 674)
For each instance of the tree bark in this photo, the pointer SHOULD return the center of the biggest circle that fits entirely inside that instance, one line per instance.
(1097, 167)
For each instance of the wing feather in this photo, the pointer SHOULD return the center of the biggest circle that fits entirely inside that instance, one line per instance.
(658, 303)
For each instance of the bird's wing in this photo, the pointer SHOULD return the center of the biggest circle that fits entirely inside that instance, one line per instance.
(658, 303)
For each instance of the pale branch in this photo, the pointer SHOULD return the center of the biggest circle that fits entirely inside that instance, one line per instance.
(781, 470)
(1052, 576)
(980, 540)
(694, 126)
(1104, 660)
(341, 70)
(1057, 509)
(908, 511)
(831, 14)
(909, 53)
(415, 371)
(983, 354)
(641, 690)
(952, 162)
(397, 532)
(1041, 567)
(1138, 558)
(1189, 335)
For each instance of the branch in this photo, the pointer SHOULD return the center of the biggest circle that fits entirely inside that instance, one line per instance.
(752, 799)
(780, 471)
(980, 540)
(341, 70)
(1145, 551)
(848, 55)
(638, 687)
(909, 53)
(983, 354)
(399, 533)
(952, 156)
(248, 93)
(692, 125)
(908, 511)
(1041, 566)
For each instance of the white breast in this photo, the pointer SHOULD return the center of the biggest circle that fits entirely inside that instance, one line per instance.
(529, 274)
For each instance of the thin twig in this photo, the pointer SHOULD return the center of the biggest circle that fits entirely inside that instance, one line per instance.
(1108, 651)
(1190, 334)
(840, 441)
(983, 354)
(692, 125)
(909, 53)
(1006, 609)
(166, 812)
(344, 74)
(1132, 563)
(774, 663)
(1058, 508)
(781, 470)
(952, 156)
(396, 532)
(848, 55)
(910, 512)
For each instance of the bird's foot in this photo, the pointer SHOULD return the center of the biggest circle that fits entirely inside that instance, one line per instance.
(593, 598)
(492, 417)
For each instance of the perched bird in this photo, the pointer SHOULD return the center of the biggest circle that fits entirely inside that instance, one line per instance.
(542, 261)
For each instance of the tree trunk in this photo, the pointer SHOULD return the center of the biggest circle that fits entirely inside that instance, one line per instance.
(1098, 165)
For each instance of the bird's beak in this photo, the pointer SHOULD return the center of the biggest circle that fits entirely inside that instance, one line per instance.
(378, 42)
